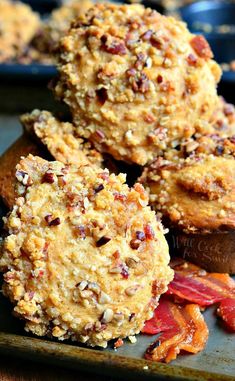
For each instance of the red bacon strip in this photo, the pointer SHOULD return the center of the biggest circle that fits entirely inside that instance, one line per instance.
(227, 312)
(161, 321)
(186, 330)
(195, 285)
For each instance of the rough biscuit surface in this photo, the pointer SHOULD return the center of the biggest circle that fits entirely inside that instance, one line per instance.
(61, 139)
(135, 80)
(18, 25)
(196, 194)
(85, 258)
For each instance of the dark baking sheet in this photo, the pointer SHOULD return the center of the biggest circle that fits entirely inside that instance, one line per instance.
(33, 72)
(216, 362)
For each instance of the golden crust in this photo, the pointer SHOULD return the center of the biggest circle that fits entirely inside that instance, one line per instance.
(196, 194)
(135, 81)
(22, 147)
(19, 24)
(86, 258)
(60, 139)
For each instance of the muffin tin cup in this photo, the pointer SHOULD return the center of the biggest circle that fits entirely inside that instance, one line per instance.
(214, 252)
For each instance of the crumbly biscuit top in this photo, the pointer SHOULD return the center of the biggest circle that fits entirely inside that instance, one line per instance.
(61, 139)
(196, 194)
(135, 80)
(86, 258)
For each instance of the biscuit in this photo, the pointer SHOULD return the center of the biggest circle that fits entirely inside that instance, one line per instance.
(85, 258)
(135, 81)
(60, 139)
(18, 25)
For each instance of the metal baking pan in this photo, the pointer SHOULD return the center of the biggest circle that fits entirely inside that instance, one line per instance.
(216, 362)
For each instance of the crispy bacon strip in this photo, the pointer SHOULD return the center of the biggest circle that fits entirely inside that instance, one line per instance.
(161, 321)
(197, 286)
(227, 312)
(186, 331)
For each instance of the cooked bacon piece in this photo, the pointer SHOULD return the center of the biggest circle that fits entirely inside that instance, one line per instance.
(161, 321)
(227, 312)
(195, 285)
(186, 331)
(201, 47)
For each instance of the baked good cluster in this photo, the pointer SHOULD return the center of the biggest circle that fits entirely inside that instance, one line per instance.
(85, 257)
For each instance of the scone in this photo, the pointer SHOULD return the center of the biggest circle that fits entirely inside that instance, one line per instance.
(18, 25)
(135, 81)
(85, 258)
(60, 138)
(196, 198)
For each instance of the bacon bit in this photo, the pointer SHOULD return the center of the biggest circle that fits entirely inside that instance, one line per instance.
(52, 222)
(226, 311)
(80, 229)
(149, 233)
(118, 343)
(140, 235)
(159, 78)
(119, 197)
(103, 176)
(99, 188)
(147, 35)
(140, 62)
(131, 317)
(45, 250)
(138, 80)
(156, 41)
(135, 244)
(201, 47)
(116, 254)
(182, 327)
(124, 272)
(192, 59)
(102, 95)
(48, 177)
(99, 135)
(205, 290)
(102, 241)
(114, 46)
(40, 273)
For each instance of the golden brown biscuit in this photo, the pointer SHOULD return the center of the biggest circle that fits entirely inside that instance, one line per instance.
(135, 81)
(196, 194)
(18, 25)
(60, 139)
(58, 24)
(85, 258)
(22, 147)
